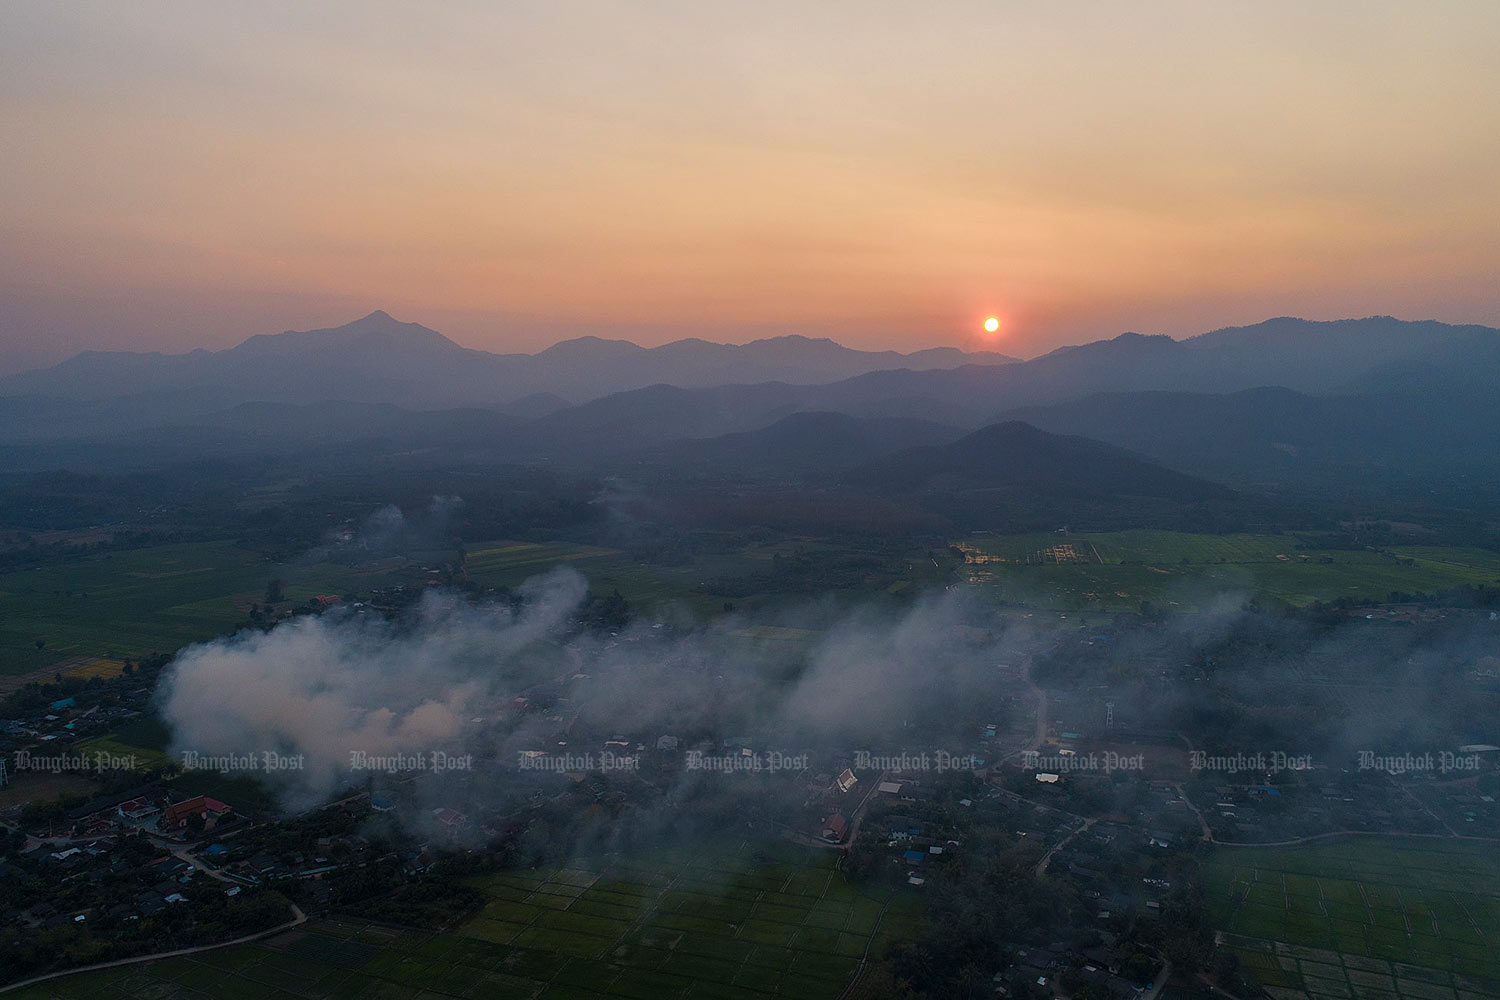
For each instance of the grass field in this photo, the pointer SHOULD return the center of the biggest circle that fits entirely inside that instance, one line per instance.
(1118, 570)
(1378, 917)
(93, 612)
(740, 923)
(136, 602)
(143, 758)
(646, 587)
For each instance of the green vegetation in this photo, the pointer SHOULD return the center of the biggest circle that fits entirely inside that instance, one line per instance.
(776, 921)
(510, 563)
(749, 922)
(1118, 570)
(749, 573)
(134, 602)
(1380, 914)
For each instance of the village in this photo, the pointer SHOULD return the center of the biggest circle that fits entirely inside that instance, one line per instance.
(1099, 810)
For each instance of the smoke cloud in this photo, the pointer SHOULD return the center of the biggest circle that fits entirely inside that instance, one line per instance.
(499, 681)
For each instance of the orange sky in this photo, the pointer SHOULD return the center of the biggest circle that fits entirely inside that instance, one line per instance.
(177, 175)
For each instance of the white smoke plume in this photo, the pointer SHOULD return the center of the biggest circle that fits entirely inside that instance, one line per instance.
(324, 687)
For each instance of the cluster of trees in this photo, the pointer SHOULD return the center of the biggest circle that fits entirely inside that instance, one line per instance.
(34, 696)
(207, 917)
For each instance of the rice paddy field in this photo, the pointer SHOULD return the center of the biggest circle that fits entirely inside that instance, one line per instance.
(1362, 917)
(93, 612)
(652, 589)
(509, 563)
(1118, 570)
(132, 603)
(746, 922)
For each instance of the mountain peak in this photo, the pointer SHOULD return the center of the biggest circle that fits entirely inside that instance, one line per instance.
(379, 328)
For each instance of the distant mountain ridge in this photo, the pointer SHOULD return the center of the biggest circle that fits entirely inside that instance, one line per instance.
(378, 359)
(1015, 456)
(1287, 402)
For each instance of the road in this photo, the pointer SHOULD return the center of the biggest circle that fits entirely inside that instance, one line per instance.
(181, 853)
(1161, 981)
(1041, 866)
(1208, 833)
(1040, 736)
(855, 819)
(298, 917)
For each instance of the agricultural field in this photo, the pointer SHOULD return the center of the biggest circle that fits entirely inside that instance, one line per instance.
(1363, 917)
(132, 603)
(85, 616)
(655, 588)
(745, 922)
(646, 587)
(1118, 570)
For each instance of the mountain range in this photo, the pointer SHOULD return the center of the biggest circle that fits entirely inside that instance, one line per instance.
(1284, 403)
(378, 359)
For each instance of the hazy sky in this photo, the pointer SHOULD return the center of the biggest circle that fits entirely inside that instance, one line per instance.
(176, 175)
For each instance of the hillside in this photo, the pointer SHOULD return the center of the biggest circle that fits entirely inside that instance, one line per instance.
(1017, 457)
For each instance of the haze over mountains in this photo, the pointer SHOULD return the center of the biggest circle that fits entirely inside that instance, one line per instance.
(1287, 402)
(378, 359)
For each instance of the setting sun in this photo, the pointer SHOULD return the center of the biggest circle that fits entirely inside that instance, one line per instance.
(991, 325)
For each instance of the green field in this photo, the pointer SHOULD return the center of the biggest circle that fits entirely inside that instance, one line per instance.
(1383, 917)
(1118, 570)
(743, 923)
(650, 587)
(510, 563)
(136, 602)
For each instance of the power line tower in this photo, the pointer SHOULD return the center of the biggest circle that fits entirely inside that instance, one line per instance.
(1109, 715)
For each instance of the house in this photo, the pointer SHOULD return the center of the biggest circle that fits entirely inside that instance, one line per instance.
(903, 827)
(450, 819)
(107, 809)
(139, 811)
(834, 828)
(846, 780)
(262, 864)
(177, 815)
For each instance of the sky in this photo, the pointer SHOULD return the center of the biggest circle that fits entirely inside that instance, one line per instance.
(181, 175)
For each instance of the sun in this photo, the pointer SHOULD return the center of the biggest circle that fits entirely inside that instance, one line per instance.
(991, 325)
